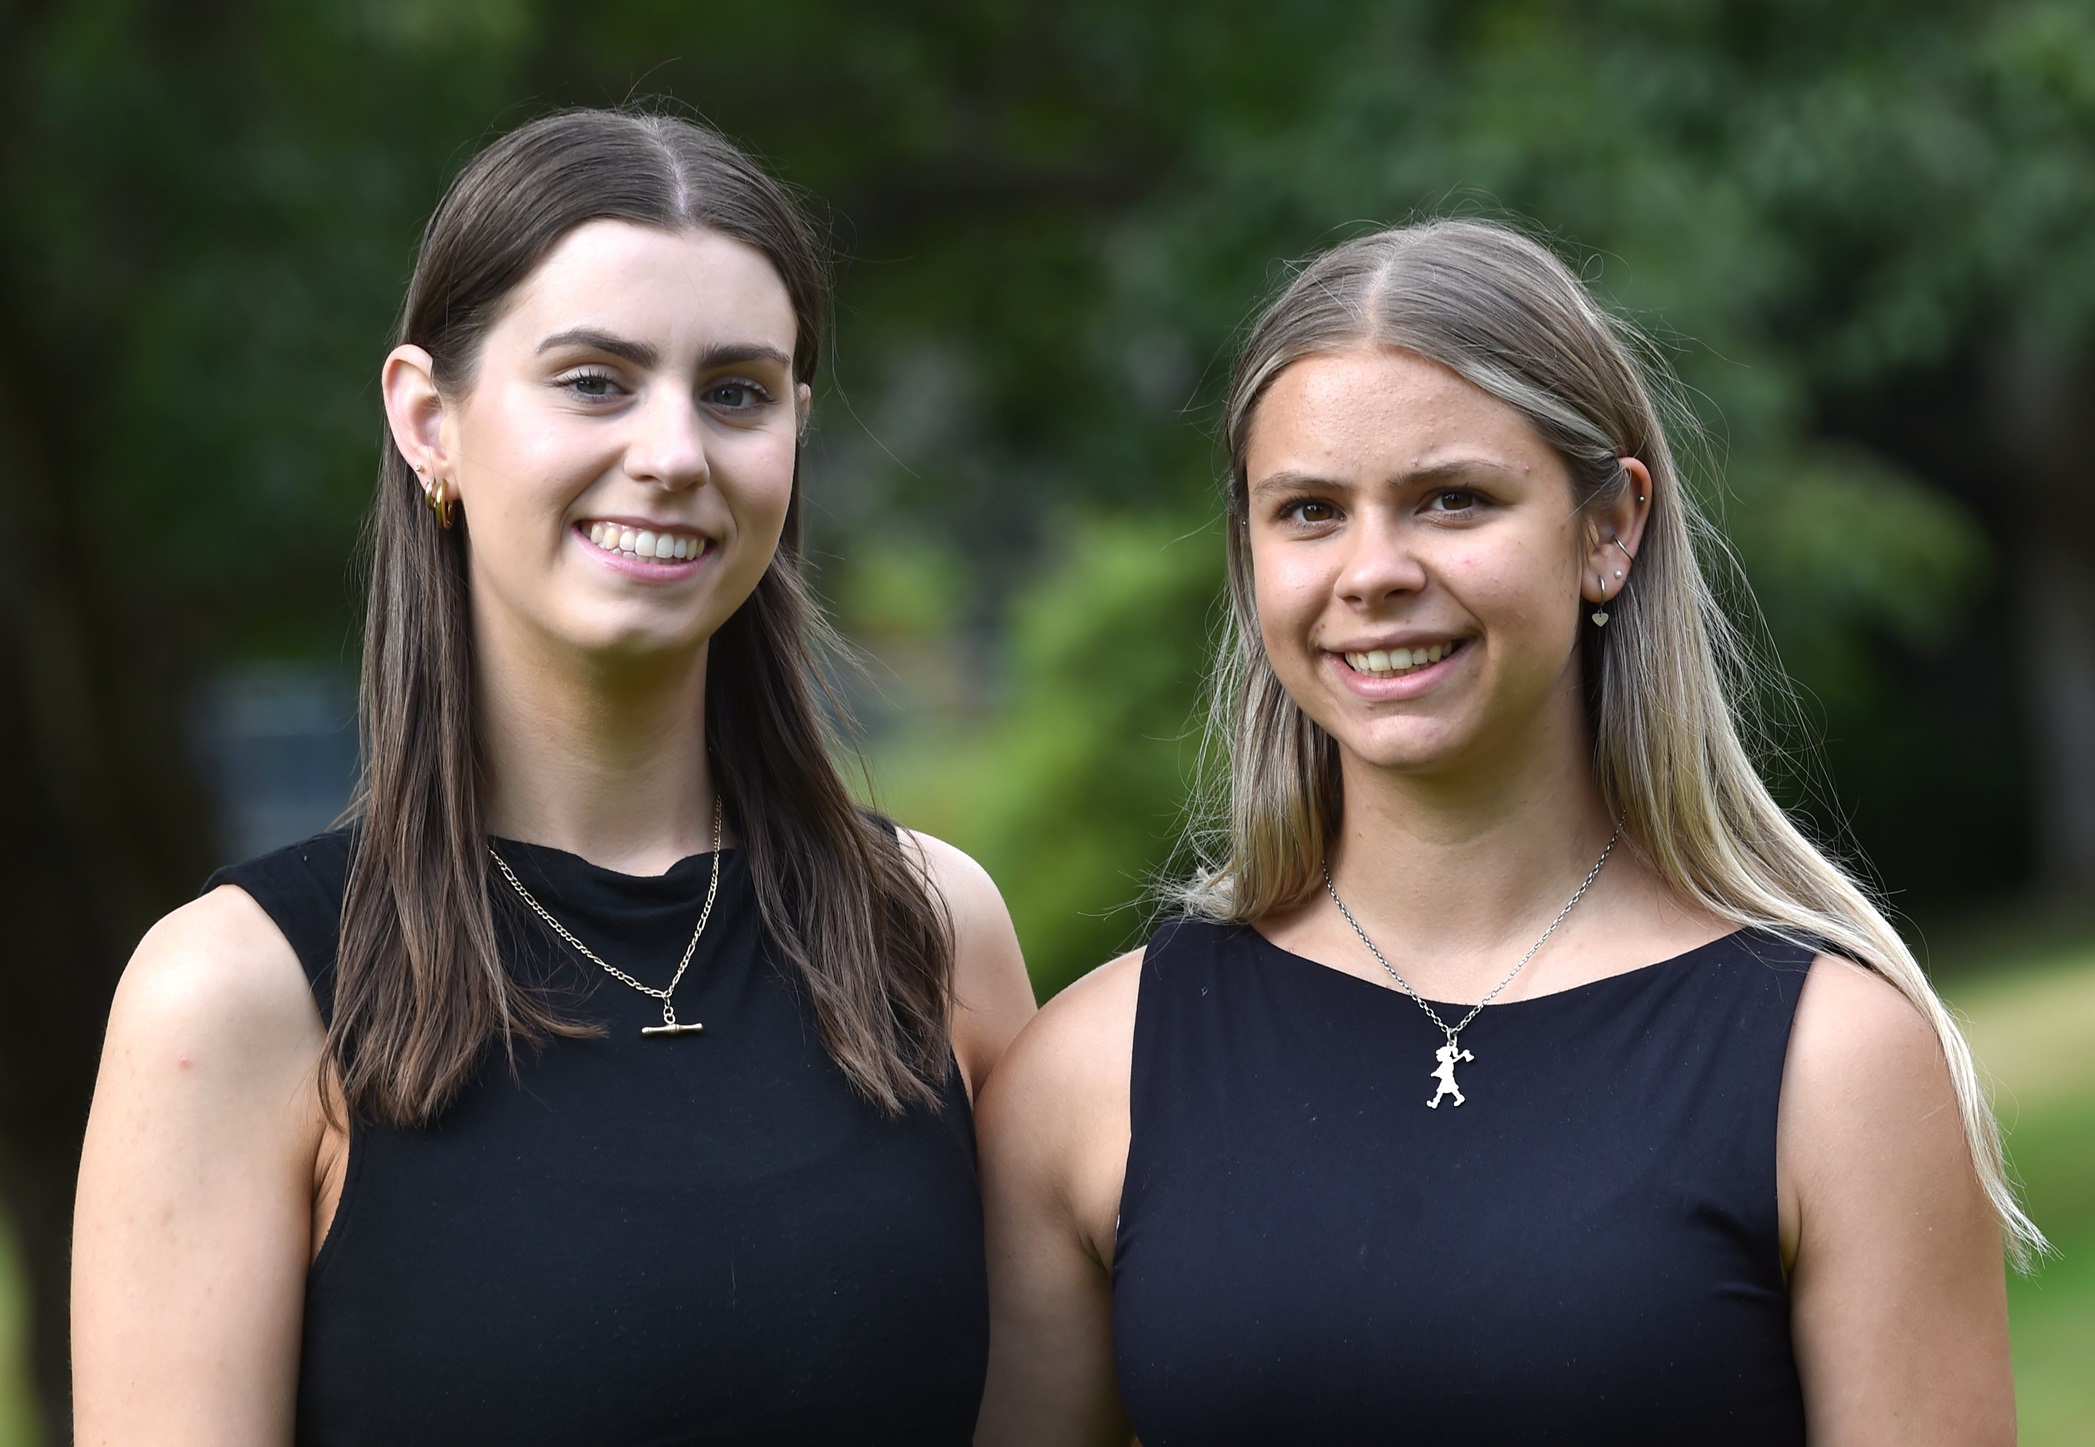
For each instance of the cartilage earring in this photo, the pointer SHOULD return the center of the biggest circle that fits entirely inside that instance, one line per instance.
(1600, 614)
(1625, 551)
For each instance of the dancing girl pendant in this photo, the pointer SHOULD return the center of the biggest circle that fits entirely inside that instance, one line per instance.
(1451, 1054)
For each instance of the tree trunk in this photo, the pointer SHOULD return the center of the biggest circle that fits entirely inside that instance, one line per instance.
(2058, 627)
(2043, 406)
(103, 830)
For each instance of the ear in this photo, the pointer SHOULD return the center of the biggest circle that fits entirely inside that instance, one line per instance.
(415, 411)
(803, 407)
(1615, 535)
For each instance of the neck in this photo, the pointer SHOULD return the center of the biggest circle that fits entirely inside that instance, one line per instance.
(605, 759)
(1472, 863)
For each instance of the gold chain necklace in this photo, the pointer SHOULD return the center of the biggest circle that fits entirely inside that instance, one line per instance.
(1448, 1056)
(670, 1024)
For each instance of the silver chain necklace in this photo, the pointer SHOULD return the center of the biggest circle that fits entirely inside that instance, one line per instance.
(1451, 1054)
(670, 1024)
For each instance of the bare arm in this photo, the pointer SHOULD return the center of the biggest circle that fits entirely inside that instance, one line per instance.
(993, 999)
(194, 1224)
(1054, 1131)
(1898, 1291)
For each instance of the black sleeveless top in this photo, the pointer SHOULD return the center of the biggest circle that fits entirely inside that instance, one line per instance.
(671, 1239)
(1586, 1251)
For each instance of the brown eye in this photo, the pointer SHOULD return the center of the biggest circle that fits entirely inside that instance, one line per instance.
(1313, 512)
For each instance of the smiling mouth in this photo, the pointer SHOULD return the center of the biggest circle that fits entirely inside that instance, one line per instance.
(1397, 662)
(645, 543)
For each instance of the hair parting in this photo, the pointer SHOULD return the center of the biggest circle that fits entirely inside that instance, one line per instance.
(1664, 684)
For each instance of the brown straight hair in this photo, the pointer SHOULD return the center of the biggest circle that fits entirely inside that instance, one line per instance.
(421, 991)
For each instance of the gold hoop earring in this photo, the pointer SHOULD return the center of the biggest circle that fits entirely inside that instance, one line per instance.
(438, 503)
(1600, 614)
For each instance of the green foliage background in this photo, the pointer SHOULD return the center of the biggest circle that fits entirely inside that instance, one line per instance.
(1860, 232)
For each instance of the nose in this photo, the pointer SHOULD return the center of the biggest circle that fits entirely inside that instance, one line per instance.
(1380, 562)
(668, 444)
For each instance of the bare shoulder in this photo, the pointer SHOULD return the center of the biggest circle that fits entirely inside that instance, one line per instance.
(1054, 1123)
(965, 885)
(1898, 1298)
(194, 1219)
(1869, 1112)
(993, 997)
(1858, 1043)
(217, 976)
(1073, 1060)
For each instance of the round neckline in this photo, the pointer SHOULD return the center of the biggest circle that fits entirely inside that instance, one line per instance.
(1640, 973)
(576, 861)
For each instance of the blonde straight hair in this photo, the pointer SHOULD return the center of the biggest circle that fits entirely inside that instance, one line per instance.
(1663, 684)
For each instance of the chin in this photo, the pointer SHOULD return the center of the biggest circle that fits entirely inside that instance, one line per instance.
(1405, 755)
(615, 639)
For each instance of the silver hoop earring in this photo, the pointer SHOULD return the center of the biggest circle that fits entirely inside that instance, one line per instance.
(1600, 614)
(1625, 551)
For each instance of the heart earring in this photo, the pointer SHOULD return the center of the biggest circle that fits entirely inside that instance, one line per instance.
(1600, 614)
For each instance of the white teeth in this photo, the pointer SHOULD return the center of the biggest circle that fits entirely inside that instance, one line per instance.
(1397, 661)
(644, 542)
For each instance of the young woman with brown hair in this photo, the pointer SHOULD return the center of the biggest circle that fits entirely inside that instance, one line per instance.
(608, 1079)
(1515, 1071)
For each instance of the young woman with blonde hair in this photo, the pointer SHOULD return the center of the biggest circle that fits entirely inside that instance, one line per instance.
(1515, 1070)
(608, 1080)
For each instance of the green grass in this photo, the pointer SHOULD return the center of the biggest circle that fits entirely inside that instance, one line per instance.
(2033, 1028)
(17, 1416)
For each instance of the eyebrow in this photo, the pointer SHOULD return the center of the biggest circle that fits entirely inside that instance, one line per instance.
(641, 354)
(1454, 468)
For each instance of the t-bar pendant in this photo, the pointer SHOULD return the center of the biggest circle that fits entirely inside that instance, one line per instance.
(694, 1028)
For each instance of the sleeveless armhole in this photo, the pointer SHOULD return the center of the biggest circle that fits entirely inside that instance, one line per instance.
(300, 888)
(1145, 1064)
(954, 1088)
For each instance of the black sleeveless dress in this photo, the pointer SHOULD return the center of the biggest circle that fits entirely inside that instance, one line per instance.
(1585, 1252)
(685, 1239)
